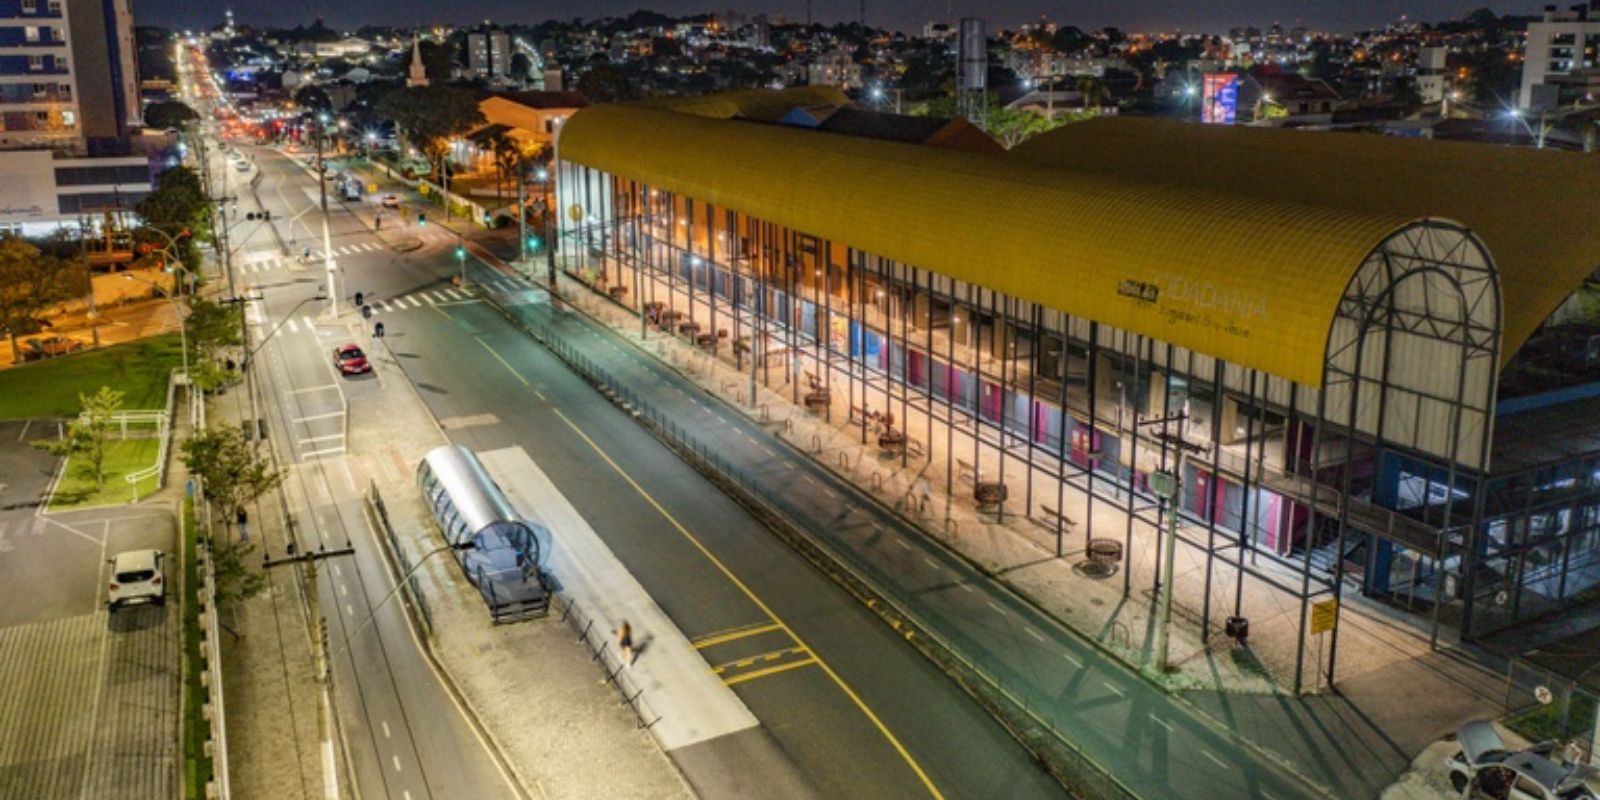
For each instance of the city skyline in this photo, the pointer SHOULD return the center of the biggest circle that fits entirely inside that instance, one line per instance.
(1141, 15)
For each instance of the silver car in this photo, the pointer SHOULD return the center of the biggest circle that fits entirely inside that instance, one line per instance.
(1484, 768)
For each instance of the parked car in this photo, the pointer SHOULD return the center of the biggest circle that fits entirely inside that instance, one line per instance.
(241, 165)
(391, 201)
(49, 346)
(136, 578)
(1483, 767)
(350, 360)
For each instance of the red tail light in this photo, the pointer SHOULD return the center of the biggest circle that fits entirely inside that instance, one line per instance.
(156, 580)
(114, 587)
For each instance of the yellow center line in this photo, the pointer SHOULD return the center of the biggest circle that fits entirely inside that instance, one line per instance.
(762, 673)
(502, 361)
(834, 676)
(770, 656)
(733, 635)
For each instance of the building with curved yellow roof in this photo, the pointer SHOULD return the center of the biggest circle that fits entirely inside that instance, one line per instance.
(1317, 367)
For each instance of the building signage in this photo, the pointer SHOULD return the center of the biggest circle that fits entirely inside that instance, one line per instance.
(1323, 616)
(1221, 96)
(1181, 298)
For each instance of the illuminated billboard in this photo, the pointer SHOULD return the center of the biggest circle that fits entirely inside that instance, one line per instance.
(1221, 98)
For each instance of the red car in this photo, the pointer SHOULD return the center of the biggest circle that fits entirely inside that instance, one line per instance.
(350, 360)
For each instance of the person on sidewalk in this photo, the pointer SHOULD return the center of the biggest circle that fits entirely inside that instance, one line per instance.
(625, 642)
(243, 520)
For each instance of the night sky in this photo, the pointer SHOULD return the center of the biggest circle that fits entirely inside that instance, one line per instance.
(909, 15)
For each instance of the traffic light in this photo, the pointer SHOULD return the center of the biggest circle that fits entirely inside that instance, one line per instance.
(535, 244)
(461, 252)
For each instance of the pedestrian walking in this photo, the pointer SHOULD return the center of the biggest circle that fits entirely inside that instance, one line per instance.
(625, 642)
(243, 520)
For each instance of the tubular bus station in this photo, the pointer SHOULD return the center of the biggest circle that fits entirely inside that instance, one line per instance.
(1308, 330)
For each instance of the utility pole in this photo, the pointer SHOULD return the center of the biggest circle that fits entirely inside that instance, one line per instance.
(522, 214)
(1166, 486)
(88, 271)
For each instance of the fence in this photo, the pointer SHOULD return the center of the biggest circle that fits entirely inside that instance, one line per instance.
(162, 419)
(403, 562)
(1013, 708)
(598, 641)
(1543, 705)
(211, 678)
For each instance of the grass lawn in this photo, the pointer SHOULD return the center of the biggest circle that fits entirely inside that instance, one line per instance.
(50, 388)
(123, 456)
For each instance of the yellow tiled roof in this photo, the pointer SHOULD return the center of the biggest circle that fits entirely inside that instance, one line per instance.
(1247, 279)
(1537, 212)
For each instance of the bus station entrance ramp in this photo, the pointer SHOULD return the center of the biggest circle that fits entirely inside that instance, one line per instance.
(697, 720)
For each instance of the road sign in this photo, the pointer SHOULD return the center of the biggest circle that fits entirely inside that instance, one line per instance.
(1323, 615)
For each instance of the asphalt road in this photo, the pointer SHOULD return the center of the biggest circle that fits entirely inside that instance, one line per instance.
(404, 735)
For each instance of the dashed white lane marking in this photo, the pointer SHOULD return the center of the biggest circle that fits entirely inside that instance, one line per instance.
(336, 569)
(752, 441)
(901, 543)
(348, 609)
(930, 562)
(810, 479)
(293, 328)
(396, 760)
(966, 587)
(385, 724)
(539, 394)
(829, 492)
(996, 607)
(1034, 634)
(343, 592)
(1219, 762)
(1073, 659)
(1114, 690)
(311, 324)
(787, 465)
(768, 452)
(1159, 721)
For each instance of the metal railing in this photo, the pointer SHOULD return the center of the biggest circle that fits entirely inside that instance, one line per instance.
(211, 679)
(598, 641)
(412, 589)
(163, 422)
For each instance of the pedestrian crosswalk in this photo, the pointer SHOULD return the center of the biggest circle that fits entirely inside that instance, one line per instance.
(424, 298)
(263, 261)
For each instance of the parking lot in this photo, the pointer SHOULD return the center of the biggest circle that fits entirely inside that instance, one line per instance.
(91, 699)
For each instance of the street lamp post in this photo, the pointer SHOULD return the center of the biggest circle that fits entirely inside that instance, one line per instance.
(327, 234)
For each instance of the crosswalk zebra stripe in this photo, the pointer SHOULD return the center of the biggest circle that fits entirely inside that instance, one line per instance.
(415, 303)
(293, 328)
(452, 294)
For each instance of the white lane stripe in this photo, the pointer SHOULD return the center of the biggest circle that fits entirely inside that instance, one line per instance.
(293, 328)
(1157, 720)
(902, 543)
(1073, 659)
(966, 587)
(311, 324)
(452, 294)
(385, 724)
(415, 303)
(314, 417)
(1219, 762)
(436, 297)
(1034, 634)
(930, 562)
(396, 760)
(1114, 690)
(996, 607)
(342, 591)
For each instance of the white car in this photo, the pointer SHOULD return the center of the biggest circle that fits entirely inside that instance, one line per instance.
(1483, 767)
(136, 578)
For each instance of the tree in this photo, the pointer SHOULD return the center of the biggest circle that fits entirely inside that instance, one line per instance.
(605, 83)
(521, 65)
(86, 435)
(31, 282)
(429, 116)
(237, 578)
(229, 470)
(212, 326)
(1069, 39)
(313, 98)
(169, 115)
(180, 208)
